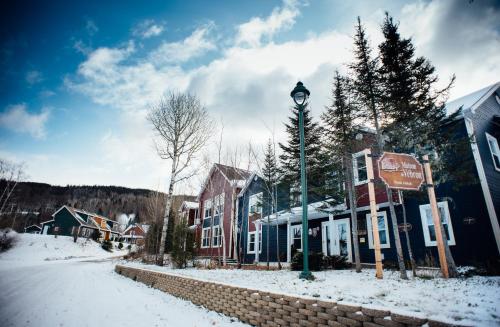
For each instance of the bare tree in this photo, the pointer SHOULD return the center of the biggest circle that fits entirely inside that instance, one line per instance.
(183, 127)
(10, 174)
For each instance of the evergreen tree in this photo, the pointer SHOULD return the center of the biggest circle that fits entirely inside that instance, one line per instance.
(269, 172)
(414, 104)
(290, 157)
(339, 126)
(367, 87)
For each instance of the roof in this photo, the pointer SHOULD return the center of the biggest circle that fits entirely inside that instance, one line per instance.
(235, 176)
(189, 205)
(133, 226)
(33, 226)
(248, 182)
(471, 101)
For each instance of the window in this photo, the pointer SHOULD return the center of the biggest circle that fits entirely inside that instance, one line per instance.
(251, 242)
(383, 230)
(359, 168)
(295, 196)
(255, 204)
(219, 206)
(494, 150)
(297, 237)
(205, 237)
(428, 223)
(216, 236)
(207, 209)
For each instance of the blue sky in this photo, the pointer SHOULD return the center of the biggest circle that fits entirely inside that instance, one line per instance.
(78, 76)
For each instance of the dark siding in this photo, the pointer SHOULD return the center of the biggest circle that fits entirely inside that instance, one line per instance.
(65, 221)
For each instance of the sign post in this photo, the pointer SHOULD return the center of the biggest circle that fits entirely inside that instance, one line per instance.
(435, 217)
(373, 213)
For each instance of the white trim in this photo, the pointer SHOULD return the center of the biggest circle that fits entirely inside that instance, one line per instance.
(369, 230)
(218, 237)
(484, 183)
(208, 237)
(254, 242)
(292, 238)
(255, 198)
(425, 223)
(355, 157)
(493, 151)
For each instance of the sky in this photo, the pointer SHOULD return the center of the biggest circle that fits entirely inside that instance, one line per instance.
(78, 77)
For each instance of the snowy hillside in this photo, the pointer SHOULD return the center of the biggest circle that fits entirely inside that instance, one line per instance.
(35, 249)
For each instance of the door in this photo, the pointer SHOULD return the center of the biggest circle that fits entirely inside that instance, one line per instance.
(45, 229)
(342, 238)
(326, 238)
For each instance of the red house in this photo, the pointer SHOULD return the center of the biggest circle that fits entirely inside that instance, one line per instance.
(216, 231)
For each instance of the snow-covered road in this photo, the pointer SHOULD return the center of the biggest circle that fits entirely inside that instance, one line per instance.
(89, 293)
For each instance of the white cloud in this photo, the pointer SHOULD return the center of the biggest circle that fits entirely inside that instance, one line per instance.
(18, 119)
(148, 28)
(252, 32)
(34, 77)
(195, 45)
(91, 27)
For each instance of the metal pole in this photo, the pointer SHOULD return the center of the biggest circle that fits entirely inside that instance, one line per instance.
(305, 274)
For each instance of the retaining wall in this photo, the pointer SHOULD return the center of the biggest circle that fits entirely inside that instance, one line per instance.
(260, 308)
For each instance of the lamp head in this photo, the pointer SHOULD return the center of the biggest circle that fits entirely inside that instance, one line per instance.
(300, 94)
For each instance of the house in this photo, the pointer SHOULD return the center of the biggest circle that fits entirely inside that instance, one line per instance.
(33, 229)
(188, 212)
(216, 231)
(469, 212)
(67, 220)
(135, 234)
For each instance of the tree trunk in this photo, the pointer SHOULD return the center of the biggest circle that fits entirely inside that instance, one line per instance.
(407, 235)
(351, 191)
(167, 213)
(397, 239)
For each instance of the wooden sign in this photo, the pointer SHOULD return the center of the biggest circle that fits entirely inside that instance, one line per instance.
(400, 171)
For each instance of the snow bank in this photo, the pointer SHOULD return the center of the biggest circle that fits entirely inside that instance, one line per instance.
(36, 249)
(471, 301)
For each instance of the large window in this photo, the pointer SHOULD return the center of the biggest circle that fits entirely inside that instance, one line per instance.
(297, 237)
(359, 168)
(494, 150)
(207, 209)
(216, 236)
(205, 237)
(383, 230)
(255, 204)
(428, 223)
(251, 242)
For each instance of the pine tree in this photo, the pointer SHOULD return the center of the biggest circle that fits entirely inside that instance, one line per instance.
(339, 126)
(269, 172)
(290, 157)
(367, 86)
(414, 104)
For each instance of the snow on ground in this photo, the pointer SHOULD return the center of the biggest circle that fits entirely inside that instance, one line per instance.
(472, 301)
(84, 291)
(33, 249)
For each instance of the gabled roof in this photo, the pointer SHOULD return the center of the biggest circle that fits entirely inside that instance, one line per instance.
(236, 177)
(35, 225)
(189, 205)
(248, 183)
(74, 212)
(471, 101)
(133, 226)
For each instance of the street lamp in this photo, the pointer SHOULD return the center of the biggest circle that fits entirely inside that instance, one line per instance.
(300, 95)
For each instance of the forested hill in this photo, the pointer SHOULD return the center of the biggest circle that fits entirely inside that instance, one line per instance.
(110, 201)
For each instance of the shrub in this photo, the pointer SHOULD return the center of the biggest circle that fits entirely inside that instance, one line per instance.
(316, 261)
(8, 238)
(183, 245)
(336, 262)
(96, 235)
(107, 245)
(129, 247)
(120, 245)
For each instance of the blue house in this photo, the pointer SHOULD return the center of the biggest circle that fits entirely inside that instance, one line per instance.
(469, 212)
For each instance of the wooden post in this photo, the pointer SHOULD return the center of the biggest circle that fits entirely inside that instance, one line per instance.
(373, 213)
(435, 217)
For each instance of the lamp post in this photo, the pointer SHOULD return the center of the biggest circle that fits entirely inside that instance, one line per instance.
(300, 95)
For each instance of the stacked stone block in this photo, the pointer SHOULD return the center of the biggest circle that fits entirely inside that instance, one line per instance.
(260, 308)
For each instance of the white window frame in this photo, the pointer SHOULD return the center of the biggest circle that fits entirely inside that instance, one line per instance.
(355, 157)
(253, 202)
(292, 238)
(217, 236)
(250, 235)
(370, 230)
(425, 226)
(495, 150)
(205, 233)
(207, 206)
